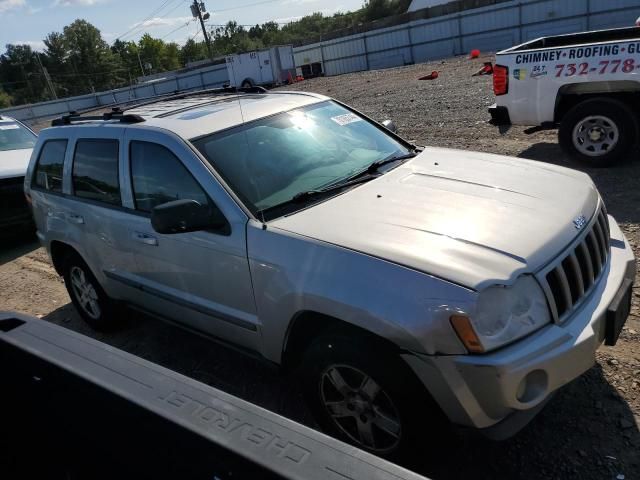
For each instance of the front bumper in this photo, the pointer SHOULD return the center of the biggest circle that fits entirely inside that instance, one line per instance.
(15, 215)
(505, 386)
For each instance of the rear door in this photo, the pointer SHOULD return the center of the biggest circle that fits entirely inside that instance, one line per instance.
(198, 278)
(94, 208)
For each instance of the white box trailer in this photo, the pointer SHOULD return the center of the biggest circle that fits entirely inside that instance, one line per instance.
(272, 66)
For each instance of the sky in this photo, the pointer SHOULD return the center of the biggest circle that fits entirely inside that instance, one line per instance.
(29, 21)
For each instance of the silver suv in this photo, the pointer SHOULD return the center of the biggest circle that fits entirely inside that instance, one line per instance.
(404, 285)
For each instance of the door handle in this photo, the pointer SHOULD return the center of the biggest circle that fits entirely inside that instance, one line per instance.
(145, 238)
(79, 219)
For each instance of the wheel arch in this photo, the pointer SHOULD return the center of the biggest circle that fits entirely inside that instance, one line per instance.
(59, 251)
(570, 95)
(307, 325)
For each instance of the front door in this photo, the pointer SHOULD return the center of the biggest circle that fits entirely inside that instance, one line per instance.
(199, 278)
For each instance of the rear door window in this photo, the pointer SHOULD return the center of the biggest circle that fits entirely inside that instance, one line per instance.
(95, 170)
(48, 173)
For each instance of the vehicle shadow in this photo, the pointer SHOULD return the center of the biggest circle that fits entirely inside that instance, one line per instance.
(618, 184)
(552, 446)
(197, 357)
(16, 246)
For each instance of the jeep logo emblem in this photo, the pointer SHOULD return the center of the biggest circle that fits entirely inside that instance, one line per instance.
(579, 222)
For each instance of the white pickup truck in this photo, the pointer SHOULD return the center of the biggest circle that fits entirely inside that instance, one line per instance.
(585, 84)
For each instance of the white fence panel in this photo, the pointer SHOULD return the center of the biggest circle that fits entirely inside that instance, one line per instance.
(307, 56)
(495, 19)
(432, 31)
(433, 50)
(390, 58)
(554, 28)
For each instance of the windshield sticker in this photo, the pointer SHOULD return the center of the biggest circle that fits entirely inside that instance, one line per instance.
(346, 119)
(9, 126)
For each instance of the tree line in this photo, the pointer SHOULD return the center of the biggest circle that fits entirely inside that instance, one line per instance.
(78, 60)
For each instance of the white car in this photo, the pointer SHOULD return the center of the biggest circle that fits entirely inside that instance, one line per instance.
(16, 144)
(400, 282)
(585, 84)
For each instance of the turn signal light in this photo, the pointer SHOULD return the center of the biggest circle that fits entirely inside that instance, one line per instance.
(462, 325)
(500, 80)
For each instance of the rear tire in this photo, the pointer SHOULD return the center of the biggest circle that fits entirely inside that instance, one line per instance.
(363, 393)
(598, 132)
(90, 300)
(247, 84)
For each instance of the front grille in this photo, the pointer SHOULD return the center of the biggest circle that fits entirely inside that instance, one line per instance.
(573, 277)
(12, 201)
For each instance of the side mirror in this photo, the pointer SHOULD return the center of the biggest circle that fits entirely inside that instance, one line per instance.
(180, 216)
(390, 125)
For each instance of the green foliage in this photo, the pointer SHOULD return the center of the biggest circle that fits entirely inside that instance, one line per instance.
(192, 51)
(79, 61)
(5, 99)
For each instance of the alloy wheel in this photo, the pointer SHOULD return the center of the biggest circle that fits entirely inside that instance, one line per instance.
(85, 293)
(360, 408)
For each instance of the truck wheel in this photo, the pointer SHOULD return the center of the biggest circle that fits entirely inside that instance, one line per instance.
(247, 84)
(367, 396)
(598, 131)
(90, 300)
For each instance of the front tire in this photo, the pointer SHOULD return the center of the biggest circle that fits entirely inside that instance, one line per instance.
(90, 300)
(598, 132)
(363, 393)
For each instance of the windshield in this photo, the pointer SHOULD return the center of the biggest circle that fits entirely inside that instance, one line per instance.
(269, 161)
(14, 136)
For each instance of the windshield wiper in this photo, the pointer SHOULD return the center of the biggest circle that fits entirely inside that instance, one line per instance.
(363, 176)
(375, 166)
(302, 196)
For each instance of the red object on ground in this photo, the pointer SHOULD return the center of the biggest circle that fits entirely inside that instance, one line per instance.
(475, 53)
(487, 69)
(432, 76)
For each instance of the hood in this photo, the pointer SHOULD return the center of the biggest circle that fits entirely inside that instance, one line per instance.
(468, 217)
(14, 163)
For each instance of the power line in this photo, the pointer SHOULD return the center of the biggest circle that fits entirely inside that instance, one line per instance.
(140, 24)
(176, 29)
(247, 5)
(197, 32)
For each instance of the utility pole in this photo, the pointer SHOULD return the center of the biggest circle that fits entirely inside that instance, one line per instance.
(196, 10)
(140, 61)
(47, 77)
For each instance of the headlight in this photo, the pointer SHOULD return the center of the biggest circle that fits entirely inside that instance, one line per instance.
(503, 314)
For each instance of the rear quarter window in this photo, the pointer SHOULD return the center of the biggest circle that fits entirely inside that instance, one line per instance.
(48, 171)
(95, 171)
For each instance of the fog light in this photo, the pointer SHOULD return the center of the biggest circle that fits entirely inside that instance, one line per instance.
(532, 387)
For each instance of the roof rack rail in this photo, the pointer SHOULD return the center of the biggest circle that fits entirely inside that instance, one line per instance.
(116, 113)
(194, 93)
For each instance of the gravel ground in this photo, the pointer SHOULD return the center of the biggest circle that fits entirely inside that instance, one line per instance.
(589, 430)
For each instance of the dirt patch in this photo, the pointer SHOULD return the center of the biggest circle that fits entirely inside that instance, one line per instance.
(589, 430)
